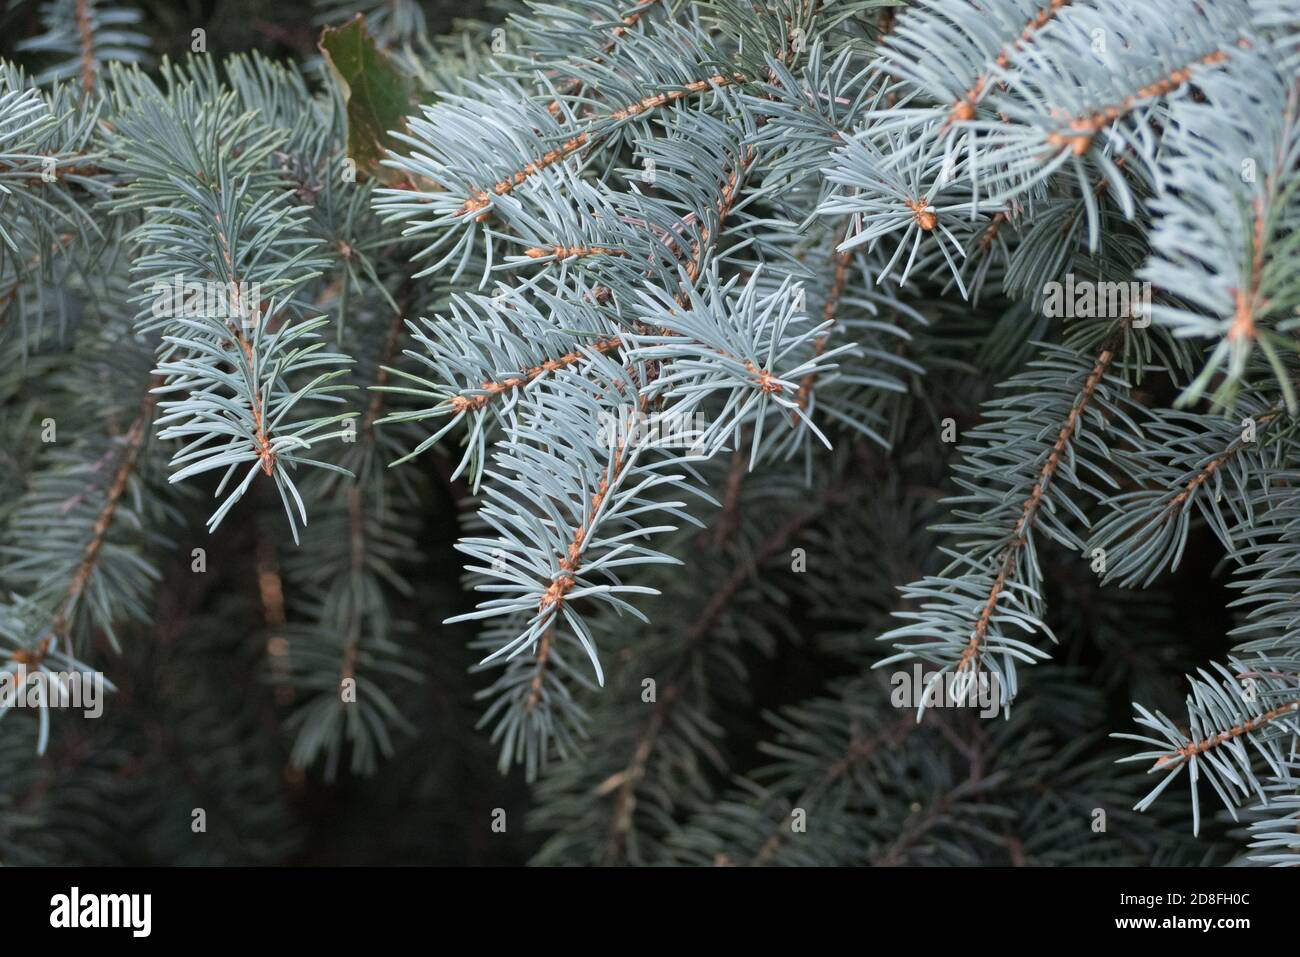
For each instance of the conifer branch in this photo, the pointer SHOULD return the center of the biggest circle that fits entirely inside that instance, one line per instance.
(488, 391)
(130, 452)
(964, 108)
(1193, 749)
(630, 20)
(602, 230)
(1029, 509)
(841, 260)
(623, 785)
(1080, 130)
(1207, 472)
(592, 136)
(861, 748)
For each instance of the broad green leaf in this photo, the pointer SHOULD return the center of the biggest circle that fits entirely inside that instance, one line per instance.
(377, 94)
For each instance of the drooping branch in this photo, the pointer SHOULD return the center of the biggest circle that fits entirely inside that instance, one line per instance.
(571, 561)
(358, 538)
(128, 456)
(553, 599)
(623, 785)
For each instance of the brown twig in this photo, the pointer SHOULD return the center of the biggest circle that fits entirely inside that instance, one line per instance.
(491, 390)
(479, 200)
(1207, 471)
(1249, 304)
(1193, 748)
(86, 36)
(1082, 129)
(571, 252)
(553, 598)
(261, 436)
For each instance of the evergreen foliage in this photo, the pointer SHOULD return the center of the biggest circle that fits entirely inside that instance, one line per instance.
(597, 415)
